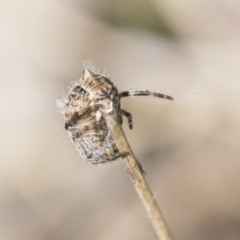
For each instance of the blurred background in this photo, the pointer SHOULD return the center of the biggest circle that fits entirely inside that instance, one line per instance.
(189, 148)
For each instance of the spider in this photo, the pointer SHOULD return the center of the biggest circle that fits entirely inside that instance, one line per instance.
(83, 111)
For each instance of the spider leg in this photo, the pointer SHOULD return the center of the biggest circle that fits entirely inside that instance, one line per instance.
(97, 128)
(87, 129)
(143, 93)
(80, 115)
(129, 117)
(107, 158)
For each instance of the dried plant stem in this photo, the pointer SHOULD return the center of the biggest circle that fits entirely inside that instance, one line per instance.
(138, 179)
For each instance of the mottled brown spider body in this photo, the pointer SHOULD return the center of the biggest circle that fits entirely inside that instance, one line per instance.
(83, 111)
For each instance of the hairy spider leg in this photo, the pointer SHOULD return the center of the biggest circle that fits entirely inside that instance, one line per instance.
(107, 158)
(79, 115)
(129, 117)
(143, 93)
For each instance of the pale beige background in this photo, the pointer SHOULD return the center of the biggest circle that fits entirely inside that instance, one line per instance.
(189, 148)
